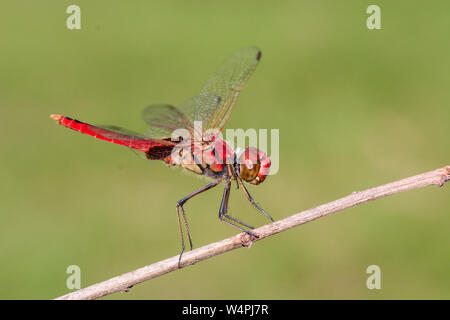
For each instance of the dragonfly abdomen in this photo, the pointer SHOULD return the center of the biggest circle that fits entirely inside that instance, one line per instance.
(138, 143)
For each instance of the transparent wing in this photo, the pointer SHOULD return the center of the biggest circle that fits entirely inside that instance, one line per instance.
(212, 106)
(163, 119)
(195, 110)
(220, 92)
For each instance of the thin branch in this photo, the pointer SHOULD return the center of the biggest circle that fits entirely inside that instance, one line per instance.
(127, 280)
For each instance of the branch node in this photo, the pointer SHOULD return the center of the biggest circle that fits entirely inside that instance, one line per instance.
(445, 177)
(127, 289)
(247, 240)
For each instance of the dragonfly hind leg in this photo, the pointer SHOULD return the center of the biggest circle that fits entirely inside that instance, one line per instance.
(180, 209)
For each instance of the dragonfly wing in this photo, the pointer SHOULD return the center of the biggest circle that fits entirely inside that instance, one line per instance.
(163, 119)
(195, 110)
(212, 106)
(220, 92)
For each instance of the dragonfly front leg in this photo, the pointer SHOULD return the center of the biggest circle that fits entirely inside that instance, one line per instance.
(223, 212)
(180, 204)
(252, 201)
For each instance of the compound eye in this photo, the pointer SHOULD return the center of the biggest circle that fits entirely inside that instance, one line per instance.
(249, 170)
(250, 164)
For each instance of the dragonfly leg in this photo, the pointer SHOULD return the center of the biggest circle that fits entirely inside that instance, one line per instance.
(226, 215)
(180, 209)
(223, 215)
(252, 201)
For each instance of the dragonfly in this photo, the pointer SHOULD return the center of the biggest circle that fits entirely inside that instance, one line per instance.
(189, 136)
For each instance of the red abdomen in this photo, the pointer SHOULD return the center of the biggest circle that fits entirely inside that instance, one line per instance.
(154, 148)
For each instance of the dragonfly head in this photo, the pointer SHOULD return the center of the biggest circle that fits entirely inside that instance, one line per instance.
(254, 165)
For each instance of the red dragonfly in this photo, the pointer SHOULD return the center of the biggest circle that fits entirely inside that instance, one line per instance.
(205, 154)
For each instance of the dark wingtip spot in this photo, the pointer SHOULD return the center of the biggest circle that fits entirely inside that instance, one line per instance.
(258, 55)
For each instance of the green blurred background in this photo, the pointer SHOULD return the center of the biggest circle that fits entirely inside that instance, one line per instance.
(356, 108)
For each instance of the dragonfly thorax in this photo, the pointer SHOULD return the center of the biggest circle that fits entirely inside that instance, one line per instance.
(205, 158)
(217, 160)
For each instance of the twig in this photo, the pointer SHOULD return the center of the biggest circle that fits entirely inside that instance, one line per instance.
(128, 280)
